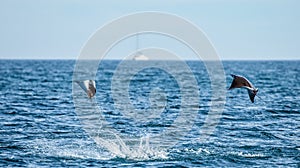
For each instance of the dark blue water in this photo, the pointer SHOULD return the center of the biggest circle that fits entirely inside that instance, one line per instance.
(40, 127)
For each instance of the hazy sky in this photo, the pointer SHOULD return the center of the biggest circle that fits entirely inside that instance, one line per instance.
(239, 29)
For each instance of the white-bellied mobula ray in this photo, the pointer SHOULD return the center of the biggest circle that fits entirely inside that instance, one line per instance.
(89, 86)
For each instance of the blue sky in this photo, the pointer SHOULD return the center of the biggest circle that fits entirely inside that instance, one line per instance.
(239, 29)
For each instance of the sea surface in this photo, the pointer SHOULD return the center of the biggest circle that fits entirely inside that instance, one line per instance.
(46, 120)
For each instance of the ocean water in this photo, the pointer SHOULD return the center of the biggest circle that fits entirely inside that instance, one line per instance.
(47, 121)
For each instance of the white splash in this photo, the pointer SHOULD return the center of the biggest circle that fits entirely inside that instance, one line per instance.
(142, 152)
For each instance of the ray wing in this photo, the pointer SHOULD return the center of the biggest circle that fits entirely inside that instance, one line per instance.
(83, 84)
(94, 84)
(240, 81)
(251, 95)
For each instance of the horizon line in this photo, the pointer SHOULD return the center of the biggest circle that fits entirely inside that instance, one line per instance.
(72, 59)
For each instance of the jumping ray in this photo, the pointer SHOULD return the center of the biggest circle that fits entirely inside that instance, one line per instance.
(242, 82)
(89, 86)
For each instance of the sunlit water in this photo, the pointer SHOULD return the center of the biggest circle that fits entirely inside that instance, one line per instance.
(40, 126)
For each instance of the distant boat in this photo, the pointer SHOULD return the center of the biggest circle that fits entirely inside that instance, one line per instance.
(140, 57)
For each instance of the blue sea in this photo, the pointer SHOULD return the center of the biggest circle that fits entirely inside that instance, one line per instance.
(46, 120)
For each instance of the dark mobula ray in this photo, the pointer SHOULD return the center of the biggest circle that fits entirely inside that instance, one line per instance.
(242, 82)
